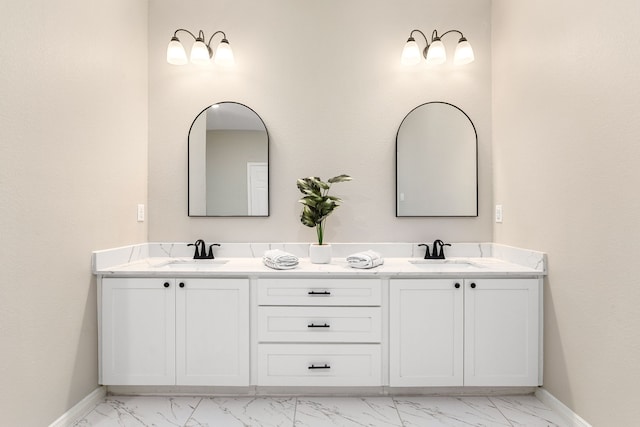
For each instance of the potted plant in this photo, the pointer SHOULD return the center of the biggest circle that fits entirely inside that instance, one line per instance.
(317, 206)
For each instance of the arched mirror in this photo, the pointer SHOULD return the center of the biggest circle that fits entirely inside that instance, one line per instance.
(437, 162)
(228, 162)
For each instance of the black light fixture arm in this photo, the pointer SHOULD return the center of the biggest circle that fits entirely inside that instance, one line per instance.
(434, 37)
(201, 37)
(426, 40)
(175, 34)
(224, 37)
(418, 31)
(435, 33)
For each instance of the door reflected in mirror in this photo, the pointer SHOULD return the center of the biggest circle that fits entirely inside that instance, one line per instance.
(437, 162)
(228, 162)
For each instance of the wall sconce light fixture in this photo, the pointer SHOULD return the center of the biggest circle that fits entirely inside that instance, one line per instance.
(201, 53)
(435, 53)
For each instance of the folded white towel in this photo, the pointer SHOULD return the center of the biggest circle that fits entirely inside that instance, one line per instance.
(366, 259)
(279, 260)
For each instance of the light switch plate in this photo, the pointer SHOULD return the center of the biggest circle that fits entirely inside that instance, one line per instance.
(140, 212)
(498, 213)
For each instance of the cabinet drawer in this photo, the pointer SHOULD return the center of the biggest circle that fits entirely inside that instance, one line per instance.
(319, 324)
(319, 292)
(319, 365)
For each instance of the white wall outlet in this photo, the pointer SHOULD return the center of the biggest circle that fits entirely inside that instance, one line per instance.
(140, 212)
(498, 213)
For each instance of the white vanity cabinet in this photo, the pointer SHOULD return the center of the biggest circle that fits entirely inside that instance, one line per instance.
(473, 320)
(158, 331)
(426, 332)
(471, 332)
(319, 332)
(137, 322)
(502, 332)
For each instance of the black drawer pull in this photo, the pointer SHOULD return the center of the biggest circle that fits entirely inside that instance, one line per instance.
(320, 367)
(473, 286)
(313, 325)
(319, 293)
(166, 284)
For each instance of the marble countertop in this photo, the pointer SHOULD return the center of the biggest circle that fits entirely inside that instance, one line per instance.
(245, 260)
(392, 267)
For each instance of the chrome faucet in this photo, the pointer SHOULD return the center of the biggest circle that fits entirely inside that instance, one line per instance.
(201, 249)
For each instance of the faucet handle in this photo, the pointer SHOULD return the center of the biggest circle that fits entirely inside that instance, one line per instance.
(195, 255)
(427, 255)
(210, 255)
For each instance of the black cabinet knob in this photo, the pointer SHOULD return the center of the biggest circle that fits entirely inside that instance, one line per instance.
(473, 286)
(166, 284)
(181, 285)
(457, 285)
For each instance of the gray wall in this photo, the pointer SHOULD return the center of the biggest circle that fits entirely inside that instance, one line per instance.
(73, 131)
(326, 79)
(331, 90)
(566, 130)
(228, 152)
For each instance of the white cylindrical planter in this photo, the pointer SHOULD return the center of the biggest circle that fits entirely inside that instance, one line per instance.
(320, 254)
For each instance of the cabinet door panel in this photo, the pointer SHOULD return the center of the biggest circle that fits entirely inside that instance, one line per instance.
(501, 332)
(138, 331)
(212, 338)
(426, 332)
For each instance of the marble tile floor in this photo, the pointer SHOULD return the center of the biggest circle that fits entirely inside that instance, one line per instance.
(387, 411)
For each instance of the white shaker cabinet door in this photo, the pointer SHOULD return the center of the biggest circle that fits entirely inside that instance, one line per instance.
(212, 338)
(501, 332)
(138, 331)
(426, 332)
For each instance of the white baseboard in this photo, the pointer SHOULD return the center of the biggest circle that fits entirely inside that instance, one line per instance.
(563, 410)
(81, 408)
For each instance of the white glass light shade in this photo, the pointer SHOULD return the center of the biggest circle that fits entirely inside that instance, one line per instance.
(411, 54)
(464, 53)
(175, 52)
(200, 53)
(224, 54)
(436, 53)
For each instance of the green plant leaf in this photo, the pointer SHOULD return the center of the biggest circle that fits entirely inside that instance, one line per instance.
(308, 185)
(311, 201)
(340, 178)
(308, 217)
(317, 204)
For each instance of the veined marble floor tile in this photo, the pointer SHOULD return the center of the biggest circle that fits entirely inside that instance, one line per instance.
(244, 411)
(527, 411)
(140, 411)
(346, 412)
(436, 411)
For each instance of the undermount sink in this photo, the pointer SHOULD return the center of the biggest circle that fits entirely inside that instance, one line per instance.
(445, 264)
(195, 264)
